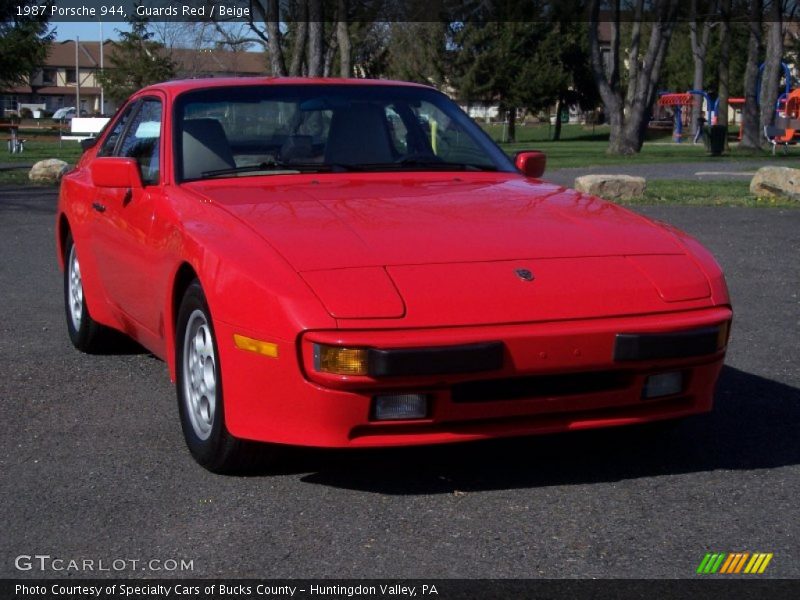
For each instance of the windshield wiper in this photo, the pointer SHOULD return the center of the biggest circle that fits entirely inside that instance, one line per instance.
(281, 167)
(427, 163)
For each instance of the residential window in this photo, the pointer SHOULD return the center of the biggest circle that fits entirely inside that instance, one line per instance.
(71, 76)
(49, 77)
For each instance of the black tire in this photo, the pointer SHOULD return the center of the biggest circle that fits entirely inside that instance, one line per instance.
(85, 333)
(202, 416)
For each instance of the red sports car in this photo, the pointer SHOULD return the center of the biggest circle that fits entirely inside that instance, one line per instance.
(349, 263)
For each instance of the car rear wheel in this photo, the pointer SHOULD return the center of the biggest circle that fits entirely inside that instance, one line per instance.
(199, 387)
(84, 332)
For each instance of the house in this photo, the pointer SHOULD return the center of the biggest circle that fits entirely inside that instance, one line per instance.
(68, 77)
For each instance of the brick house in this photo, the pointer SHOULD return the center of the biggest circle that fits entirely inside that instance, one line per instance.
(56, 84)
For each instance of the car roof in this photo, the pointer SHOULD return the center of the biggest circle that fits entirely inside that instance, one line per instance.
(182, 85)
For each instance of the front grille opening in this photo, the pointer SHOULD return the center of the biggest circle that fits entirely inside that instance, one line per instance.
(540, 386)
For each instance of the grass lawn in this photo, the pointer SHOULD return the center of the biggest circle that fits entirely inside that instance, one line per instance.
(706, 193)
(585, 146)
(14, 177)
(36, 150)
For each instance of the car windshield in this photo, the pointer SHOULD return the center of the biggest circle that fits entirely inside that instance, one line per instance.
(273, 129)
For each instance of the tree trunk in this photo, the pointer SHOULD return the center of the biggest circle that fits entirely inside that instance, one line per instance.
(628, 117)
(699, 53)
(770, 83)
(272, 22)
(316, 51)
(606, 77)
(330, 52)
(640, 106)
(511, 115)
(751, 135)
(557, 129)
(616, 120)
(724, 68)
(300, 37)
(634, 58)
(343, 39)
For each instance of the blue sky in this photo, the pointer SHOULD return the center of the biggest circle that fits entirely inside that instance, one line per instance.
(88, 31)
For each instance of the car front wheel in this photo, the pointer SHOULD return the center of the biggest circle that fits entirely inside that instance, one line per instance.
(199, 387)
(84, 332)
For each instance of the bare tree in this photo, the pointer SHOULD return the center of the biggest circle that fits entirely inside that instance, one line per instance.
(628, 114)
(316, 46)
(751, 131)
(278, 24)
(723, 91)
(770, 81)
(700, 45)
(343, 39)
(299, 36)
(271, 20)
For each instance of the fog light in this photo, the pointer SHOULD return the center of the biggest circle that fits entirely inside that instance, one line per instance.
(395, 407)
(663, 384)
(339, 360)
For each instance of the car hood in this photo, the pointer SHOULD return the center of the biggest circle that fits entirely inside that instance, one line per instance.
(478, 248)
(340, 221)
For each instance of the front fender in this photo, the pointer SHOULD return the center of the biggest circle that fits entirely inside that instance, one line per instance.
(248, 285)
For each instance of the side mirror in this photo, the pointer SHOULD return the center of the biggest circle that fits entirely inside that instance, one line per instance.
(116, 172)
(531, 163)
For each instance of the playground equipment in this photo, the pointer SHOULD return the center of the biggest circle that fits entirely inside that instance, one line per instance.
(787, 79)
(678, 102)
(786, 130)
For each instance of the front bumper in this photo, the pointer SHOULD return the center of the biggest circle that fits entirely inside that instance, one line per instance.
(555, 376)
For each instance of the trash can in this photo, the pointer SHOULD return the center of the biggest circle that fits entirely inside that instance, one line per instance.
(716, 136)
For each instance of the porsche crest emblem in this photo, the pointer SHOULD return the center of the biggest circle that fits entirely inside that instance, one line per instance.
(524, 274)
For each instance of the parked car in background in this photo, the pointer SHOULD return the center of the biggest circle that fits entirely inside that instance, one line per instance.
(351, 263)
(66, 114)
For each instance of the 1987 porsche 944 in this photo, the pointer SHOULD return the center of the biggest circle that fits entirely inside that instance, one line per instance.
(343, 263)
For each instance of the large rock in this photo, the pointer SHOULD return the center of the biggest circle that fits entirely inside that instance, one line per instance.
(48, 171)
(611, 187)
(776, 182)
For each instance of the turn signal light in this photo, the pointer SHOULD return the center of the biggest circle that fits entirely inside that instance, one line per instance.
(722, 336)
(246, 343)
(340, 361)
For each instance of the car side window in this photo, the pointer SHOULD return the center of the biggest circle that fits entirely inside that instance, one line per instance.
(141, 140)
(107, 149)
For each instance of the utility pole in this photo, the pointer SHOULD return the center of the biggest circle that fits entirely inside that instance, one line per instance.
(102, 99)
(77, 80)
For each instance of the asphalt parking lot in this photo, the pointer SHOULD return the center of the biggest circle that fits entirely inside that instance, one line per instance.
(93, 465)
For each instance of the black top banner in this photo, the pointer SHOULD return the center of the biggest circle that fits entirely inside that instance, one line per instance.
(450, 11)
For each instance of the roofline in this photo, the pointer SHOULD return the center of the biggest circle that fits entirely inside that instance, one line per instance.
(213, 82)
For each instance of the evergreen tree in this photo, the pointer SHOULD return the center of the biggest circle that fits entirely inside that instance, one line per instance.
(494, 64)
(136, 62)
(529, 65)
(24, 41)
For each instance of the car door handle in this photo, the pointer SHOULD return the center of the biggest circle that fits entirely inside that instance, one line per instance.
(98, 207)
